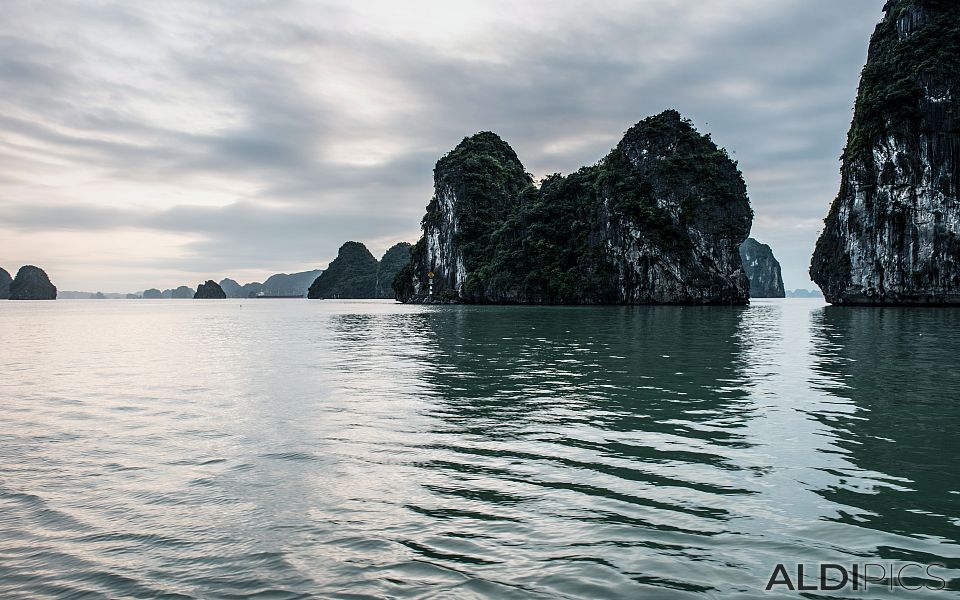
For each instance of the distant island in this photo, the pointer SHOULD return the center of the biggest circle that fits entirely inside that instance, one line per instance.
(802, 293)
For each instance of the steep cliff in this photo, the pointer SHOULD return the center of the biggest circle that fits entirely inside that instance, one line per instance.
(32, 283)
(352, 274)
(892, 236)
(658, 220)
(210, 290)
(5, 281)
(762, 269)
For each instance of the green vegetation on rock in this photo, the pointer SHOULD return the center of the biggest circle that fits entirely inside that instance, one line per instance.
(900, 69)
(355, 273)
(492, 235)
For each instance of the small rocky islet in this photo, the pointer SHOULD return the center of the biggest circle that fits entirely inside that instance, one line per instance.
(31, 283)
(209, 290)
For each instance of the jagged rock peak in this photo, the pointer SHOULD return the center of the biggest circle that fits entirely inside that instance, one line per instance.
(892, 235)
(210, 290)
(32, 283)
(762, 269)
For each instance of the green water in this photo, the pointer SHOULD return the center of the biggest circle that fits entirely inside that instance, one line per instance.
(285, 449)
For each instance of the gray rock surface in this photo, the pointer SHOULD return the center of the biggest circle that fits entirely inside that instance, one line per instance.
(892, 236)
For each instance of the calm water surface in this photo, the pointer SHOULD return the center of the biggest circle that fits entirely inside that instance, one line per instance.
(295, 449)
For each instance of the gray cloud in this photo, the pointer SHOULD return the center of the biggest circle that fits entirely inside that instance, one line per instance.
(311, 128)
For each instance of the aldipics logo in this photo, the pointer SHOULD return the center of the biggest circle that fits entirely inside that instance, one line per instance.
(859, 577)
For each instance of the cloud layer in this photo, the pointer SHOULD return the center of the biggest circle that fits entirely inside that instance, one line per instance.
(156, 144)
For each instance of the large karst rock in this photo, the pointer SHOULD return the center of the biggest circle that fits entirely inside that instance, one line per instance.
(210, 290)
(32, 283)
(659, 220)
(892, 236)
(355, 273)
(762, 269)
(352, 274)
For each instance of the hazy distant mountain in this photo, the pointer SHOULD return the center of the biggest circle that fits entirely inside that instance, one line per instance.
(250, 290)
(293, 284)
(231, 288)
(280, 284)
(181, 293)
(152, 294)
(75, 295)
(801, 293)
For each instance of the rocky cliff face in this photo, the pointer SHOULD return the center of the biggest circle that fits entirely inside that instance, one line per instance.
(477, 186)
(210, 290)
(658, 220)
(892, 236)
(762, 269)
(5, 281)
(32, 283)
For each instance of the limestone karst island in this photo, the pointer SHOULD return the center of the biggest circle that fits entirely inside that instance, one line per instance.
(480, 300)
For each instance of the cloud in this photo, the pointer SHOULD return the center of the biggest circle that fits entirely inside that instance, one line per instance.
(263, 134)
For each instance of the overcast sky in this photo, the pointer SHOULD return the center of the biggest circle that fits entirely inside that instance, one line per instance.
(164, 143)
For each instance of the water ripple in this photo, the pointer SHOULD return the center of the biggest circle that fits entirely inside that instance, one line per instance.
(367, 449)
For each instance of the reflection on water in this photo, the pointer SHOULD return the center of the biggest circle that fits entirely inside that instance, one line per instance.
(366, 449)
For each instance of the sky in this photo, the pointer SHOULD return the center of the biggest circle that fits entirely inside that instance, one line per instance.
(156, 144)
